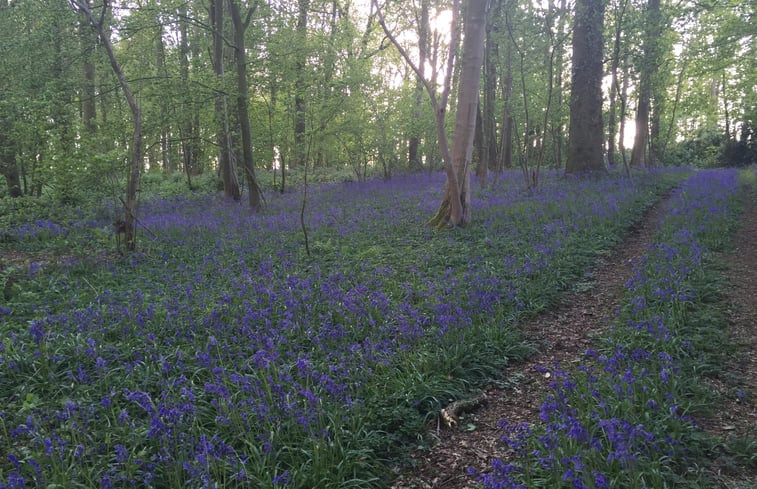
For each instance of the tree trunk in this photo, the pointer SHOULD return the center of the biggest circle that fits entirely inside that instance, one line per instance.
(507, 115)
(728, 135)
(413, 144)
(612, 133)
(255, 196)
(132, 186)
(557, 123)
(186, 129)
(455, 209)
(300, 108)
(623, 111)
(160, 64)
(479, 149)
(585, 138)
(489, 124)
(228, 170)
(8, 165)
(639, 155)
(88, 107)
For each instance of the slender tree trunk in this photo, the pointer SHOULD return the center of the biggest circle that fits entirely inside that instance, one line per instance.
(639, 155)
(479, 149)
(300, 108)
(612, 133)
(557, 122)
(132, 186)
(255, 196)
(623, 113)
(413, 156)
(507, 115)
(672, 120)
(88, 107)
(585, 139)
(186, 130)
(160, 62)
(728, 135)
(489, 151)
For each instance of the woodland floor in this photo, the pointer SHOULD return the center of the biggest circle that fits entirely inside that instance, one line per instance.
(563, 333)
(737, 413)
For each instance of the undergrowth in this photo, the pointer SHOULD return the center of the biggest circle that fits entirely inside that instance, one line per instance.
(222, 355)
(623, 418)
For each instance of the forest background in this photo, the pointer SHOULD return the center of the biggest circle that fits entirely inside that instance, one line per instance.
(235, 95)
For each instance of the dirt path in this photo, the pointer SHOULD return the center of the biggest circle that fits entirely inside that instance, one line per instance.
(736, 416)
(561, 335)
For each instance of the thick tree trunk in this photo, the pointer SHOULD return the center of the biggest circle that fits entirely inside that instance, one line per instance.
(585, 139)
(228, 171)
(255, 196)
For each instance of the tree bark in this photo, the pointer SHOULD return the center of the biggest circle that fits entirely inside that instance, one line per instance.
(585, 138)
(414, 159)
(88, 107)
(489, 153)
(455, 209)
(254, 193)
(639, 154)
(165, 130)
(135, 168)
(228, 171)
(300, 107)
(506, 138)
(186, 128)
(612, 133)
(623, 111)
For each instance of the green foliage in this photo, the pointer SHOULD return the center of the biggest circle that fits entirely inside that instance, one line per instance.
(701, 151)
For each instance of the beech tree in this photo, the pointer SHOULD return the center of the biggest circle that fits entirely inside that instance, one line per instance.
(585, 139)
(455, 208)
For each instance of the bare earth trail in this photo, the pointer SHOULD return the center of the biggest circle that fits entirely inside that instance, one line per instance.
(736, 416)
(561, 335)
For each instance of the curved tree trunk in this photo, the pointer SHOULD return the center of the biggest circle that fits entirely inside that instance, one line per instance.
(455, 209)
(130, 204)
